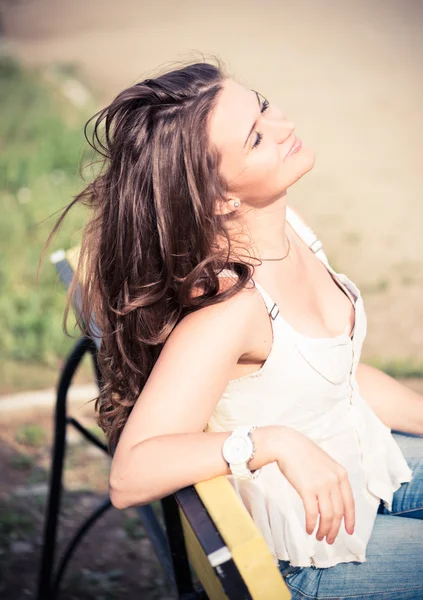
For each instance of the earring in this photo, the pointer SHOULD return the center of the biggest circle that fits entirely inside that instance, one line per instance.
(236, 204)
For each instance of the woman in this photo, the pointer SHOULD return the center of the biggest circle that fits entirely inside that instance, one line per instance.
(220, 313)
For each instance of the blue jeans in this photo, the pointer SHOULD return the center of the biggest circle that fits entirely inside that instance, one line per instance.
(394, 567)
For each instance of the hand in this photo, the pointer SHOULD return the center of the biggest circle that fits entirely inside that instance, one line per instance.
(322, 483)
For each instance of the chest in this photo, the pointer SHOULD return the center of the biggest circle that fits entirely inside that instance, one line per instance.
(312, 298)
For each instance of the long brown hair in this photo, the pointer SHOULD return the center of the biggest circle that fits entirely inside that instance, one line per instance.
(151, 237)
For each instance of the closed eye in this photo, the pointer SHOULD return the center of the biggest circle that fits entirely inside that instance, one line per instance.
(258, 139)
(264, 107)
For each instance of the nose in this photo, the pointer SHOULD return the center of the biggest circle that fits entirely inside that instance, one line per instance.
(286, 129)
(281, 127)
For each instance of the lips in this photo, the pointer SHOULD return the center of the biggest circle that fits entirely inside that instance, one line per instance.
(296, 145)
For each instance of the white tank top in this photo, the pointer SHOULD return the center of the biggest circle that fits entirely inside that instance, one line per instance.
(310, 384)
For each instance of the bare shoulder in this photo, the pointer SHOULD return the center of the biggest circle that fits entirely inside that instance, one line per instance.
(231, 320)
(193, 368)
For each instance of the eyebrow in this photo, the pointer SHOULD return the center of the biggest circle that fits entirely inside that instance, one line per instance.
(255, 122)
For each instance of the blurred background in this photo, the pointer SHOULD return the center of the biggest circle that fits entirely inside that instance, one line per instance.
(349, 74)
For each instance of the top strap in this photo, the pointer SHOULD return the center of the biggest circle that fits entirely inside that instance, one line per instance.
(310, 239)
(306, 234)
(272, 307)
(313, 242)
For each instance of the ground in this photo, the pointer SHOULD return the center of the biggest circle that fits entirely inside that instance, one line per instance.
(114, 560)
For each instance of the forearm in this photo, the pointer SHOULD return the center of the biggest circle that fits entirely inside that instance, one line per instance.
(159, 466)
(399, 407)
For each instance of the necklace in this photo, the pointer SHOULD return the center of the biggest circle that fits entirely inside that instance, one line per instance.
(282, 257)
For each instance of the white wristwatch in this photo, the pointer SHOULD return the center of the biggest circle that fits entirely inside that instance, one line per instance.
(238, 450)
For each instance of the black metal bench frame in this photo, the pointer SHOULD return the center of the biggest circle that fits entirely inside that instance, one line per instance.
(168, 543)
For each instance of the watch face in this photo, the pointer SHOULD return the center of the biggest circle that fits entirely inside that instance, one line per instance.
(238, 450)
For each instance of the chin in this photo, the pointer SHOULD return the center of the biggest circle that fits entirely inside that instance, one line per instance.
(305, 157)
(304, 162)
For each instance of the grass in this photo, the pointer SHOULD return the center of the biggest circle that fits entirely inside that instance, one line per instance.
(101, 585)
(22, 462)
(74, 456)
(375, 287)
(132, 526)
(32, 435)
(408, 280)
(400, 368)
(19, 376)
(97, 432)
(14, 525)
(37, 476)
(39, 174)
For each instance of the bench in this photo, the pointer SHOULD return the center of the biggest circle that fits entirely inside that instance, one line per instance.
(207, 528)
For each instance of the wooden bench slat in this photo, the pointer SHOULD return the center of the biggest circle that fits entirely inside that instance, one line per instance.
(220, 535)
(241, 535)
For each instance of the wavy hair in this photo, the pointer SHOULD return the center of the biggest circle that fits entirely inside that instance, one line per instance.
(149, 254)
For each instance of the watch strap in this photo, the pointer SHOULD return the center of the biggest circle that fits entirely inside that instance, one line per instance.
(241, 470)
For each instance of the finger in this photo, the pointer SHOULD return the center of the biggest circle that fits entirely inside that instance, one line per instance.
(311, 507)
(326, 515)
(338, 513)
(349, 505)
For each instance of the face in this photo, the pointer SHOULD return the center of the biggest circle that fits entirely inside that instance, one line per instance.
(254, 138)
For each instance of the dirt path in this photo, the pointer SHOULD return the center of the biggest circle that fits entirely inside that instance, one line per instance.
(349, 74)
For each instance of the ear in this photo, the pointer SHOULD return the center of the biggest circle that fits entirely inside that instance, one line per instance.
(227, 206)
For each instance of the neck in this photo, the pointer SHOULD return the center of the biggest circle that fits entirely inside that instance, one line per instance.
(262, 231)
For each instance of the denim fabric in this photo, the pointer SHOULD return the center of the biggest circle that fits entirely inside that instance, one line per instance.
(394, 566)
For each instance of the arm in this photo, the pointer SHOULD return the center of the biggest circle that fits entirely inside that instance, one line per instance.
(163, 447)
(396, 405)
